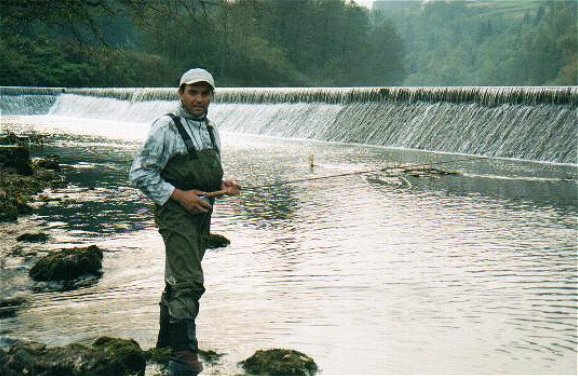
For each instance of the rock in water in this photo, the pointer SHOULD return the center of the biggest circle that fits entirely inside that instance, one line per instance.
(120, 356)
(20, 179)
(51, 162)
(32, 237)
(17, 158)
(9, 306)
(68, 264)
(107, 356)
(217, 241)
(279, 362)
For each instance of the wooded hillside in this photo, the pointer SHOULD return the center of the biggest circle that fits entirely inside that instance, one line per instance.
(120, 43)
(506, 42)
(150, 43)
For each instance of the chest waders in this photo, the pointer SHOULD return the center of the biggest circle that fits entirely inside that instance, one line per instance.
(185, 236)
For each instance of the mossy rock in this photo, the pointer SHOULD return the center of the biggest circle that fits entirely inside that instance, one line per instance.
(33, 237)
(8, 210)
(68, 264)
(279, 362)
(16, 191)
(121, 354)
(107, 356)
(20, 179)
(13, 184)
(218, 241)
(51, 162)
(16, 158)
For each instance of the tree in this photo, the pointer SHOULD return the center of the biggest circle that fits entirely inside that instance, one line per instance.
(244, 42)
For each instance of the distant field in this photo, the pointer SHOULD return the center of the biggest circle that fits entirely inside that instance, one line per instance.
(516, 9)
(510, 8)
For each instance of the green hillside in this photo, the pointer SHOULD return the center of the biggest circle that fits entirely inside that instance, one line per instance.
(521, 42)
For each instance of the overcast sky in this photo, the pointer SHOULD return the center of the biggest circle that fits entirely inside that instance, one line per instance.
(365, 3)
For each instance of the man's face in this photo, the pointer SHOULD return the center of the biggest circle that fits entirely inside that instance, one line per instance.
(196, 98)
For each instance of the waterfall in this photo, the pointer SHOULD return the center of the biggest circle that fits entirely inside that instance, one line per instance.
(26, 104)
(531, 123)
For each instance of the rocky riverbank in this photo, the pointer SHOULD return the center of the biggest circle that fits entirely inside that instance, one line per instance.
(22, 177)
(108, 356)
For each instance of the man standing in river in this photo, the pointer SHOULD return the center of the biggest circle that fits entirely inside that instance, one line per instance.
(177, 167)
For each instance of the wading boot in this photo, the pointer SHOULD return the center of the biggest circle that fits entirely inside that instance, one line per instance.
(164, 338)
(185, 363)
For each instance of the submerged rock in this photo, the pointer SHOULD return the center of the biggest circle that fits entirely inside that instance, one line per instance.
(217, 241)
(33, 237)
(106, 356)
(278, 362)
(51, 162)
(86, 280)
(9, 306)
(426, 171)
(68, 264)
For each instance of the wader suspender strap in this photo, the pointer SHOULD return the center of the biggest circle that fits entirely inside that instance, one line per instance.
(186, 138)
(212, 135)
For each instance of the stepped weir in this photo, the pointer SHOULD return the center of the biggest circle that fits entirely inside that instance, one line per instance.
(529, 123)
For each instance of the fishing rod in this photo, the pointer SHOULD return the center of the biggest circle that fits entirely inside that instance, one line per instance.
(362, 172)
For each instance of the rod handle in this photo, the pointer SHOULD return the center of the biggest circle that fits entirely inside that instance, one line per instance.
(215, 194)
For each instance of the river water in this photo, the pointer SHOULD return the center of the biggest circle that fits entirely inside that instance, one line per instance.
(367, 274)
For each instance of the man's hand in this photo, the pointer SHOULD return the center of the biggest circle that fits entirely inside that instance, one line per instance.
(231, 187)
(192, 201)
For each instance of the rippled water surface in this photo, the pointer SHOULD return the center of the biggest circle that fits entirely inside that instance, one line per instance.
(367, 274)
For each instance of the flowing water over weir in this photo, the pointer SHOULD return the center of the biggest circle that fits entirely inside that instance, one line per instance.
(469, 273)
(530, 123)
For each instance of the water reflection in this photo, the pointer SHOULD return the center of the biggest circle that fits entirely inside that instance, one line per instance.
(542, 191)
(274, 207)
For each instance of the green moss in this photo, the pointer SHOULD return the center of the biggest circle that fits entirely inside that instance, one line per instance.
(279, 362)
(210, 356)
(159, 355)
(116, 345)
(126, 352)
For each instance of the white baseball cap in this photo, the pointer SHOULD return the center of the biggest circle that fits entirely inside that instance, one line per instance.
(197, 75)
